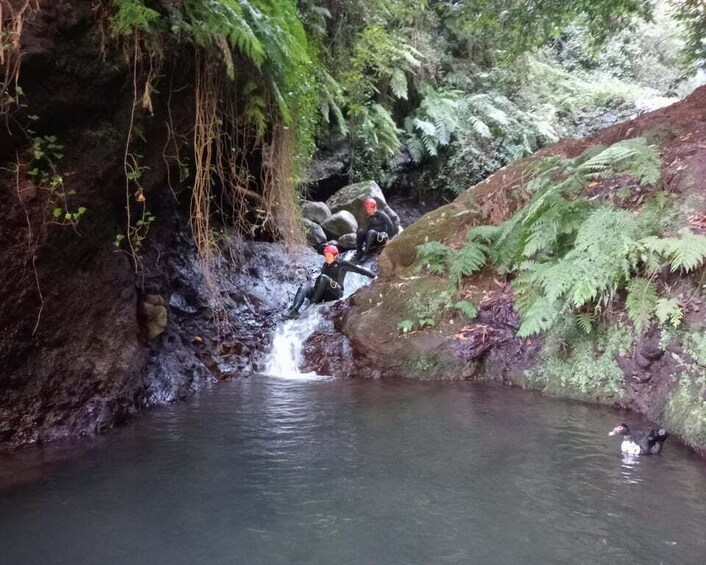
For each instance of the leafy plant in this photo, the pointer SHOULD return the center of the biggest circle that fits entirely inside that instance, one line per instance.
(466, 308)
(632, 156)
(433, 256)
(669, 312)
(686, 408)
(573, 254)
(434, 123)
(641, 302)
(46, 154)
(424, 310)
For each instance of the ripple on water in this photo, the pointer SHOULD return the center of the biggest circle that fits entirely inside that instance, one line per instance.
(268, 471)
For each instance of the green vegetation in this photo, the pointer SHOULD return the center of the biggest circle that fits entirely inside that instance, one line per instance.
(47, 152)
(426, 304)
(462, 88)
(579, 366)
(573, 252)
(685, 411)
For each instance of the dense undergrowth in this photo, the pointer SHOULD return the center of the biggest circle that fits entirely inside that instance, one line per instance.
(460, 88)
(597, 253)
(579, 241)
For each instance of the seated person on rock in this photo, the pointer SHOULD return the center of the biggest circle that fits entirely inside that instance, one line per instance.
(380, 229)
(329, 284)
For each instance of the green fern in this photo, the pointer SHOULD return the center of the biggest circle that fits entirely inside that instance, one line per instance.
(434, 123)
(634, 156)
(540, 317)
(585, 321)
(486, 234)
(432, 256)
(466, 261)
(133, 15)
(332, 100)
(398, 84)
(640, 302)
(668, 310)
(379, 130)
(686, 252)
(466, 308)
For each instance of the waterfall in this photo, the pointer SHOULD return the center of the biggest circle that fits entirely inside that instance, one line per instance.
(290, 336)
(287, 343)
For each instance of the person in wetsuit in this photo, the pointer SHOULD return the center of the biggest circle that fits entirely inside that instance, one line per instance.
(329, 284)
(380, 229)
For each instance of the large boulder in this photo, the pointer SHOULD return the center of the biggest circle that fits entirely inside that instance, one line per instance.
(340, 223)
(347, 241)
(350, 198)
(316, 212)
(315, 235)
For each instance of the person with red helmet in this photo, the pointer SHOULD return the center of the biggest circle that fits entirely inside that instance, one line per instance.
(379, 229)
(329, 284)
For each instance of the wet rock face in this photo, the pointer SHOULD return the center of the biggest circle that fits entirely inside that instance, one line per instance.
(360, 339)
(327, 351)
(87, 335)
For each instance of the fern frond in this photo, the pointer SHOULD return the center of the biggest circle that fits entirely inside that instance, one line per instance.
(669, 310)
(640, 302)
(483, 233)
(585, 321)
(379, 127)
(466, 261)
(432, 256)
(634, 156)
(426, 128)
(467, 308)
(686, 252)
(132, 15)
(398, 84)
(546, 131)
(416, 149)
(540, 317)
(480, 127)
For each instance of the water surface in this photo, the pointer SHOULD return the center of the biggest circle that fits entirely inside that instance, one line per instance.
(271, 471)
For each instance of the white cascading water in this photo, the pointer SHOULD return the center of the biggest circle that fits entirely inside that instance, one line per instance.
(287, 346)
(290, 336)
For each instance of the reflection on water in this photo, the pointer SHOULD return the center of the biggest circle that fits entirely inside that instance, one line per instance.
(270, 471)
(631, 468)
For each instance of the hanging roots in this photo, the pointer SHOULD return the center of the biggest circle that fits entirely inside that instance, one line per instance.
(225, 141)
(12, 17)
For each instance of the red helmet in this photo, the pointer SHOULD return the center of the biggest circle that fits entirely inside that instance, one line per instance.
(370, 203)
(331, 248)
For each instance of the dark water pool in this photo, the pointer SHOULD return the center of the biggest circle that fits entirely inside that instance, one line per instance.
(267, 471)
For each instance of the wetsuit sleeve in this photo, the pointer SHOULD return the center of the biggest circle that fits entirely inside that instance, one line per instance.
(389, 224)
(346, 266)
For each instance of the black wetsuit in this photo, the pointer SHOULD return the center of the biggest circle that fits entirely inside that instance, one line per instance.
(380, 229)
(328, 285)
